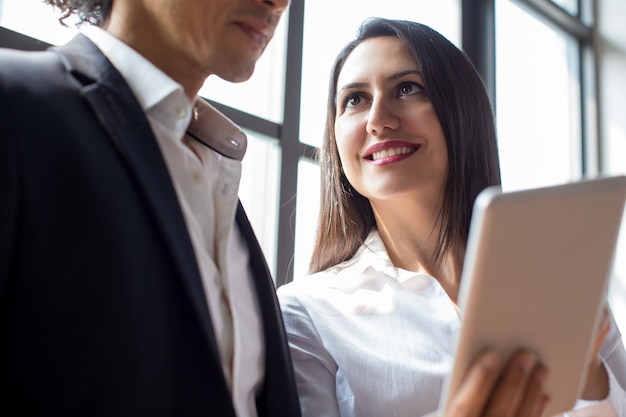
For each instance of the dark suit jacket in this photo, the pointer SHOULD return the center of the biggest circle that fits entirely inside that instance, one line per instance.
(102, 310)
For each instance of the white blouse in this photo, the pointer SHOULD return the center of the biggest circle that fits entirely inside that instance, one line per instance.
(369, 340)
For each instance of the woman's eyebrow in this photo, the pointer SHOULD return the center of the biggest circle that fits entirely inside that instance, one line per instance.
(351, 86)
(397, 75)
(404, 73)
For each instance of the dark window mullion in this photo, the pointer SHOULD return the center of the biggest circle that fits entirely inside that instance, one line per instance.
(478, 40)
(590, 105)
(15, 40)
(249, 121)
(291, 147)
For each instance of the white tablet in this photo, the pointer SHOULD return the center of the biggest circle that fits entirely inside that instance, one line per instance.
(536, 270)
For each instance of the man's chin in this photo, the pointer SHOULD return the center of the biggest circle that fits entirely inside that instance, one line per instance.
(237, 75)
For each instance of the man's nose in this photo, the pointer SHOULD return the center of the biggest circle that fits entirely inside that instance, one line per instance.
(277, 5)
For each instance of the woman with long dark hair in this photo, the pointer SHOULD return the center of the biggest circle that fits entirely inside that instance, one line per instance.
(409, 143)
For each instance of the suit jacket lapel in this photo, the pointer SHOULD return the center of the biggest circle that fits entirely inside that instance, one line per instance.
(121, 115)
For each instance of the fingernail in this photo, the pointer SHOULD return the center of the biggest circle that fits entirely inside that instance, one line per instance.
(490, 361)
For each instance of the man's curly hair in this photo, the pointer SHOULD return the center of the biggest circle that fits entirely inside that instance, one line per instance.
(95, 12)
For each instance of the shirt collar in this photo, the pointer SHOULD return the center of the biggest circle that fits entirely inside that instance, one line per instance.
(164, 99)
(158, 95)
(213, 129)
(149, 84)
(373, 255)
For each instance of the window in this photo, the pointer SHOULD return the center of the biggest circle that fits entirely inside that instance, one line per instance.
(36, 19)
(258, 191)
(538, 100)
(571, 6)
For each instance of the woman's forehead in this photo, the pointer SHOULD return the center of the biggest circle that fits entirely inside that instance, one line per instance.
(380, 57)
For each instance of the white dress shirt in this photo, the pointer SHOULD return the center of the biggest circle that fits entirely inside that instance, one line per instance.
(206, 184)
(369, 340)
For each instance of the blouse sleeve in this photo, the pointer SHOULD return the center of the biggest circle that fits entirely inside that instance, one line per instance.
(314, 367)
(614, 357)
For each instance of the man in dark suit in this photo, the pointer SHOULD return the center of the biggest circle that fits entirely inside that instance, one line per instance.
(131, 283)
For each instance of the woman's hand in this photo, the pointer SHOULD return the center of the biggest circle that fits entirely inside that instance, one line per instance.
(597, 385)
(490, 391)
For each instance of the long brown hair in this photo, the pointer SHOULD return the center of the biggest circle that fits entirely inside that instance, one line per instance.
(461, 103)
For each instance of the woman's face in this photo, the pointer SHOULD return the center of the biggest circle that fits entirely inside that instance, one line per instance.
(389, 138)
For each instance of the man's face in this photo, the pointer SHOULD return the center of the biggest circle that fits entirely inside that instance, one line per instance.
(200, 37)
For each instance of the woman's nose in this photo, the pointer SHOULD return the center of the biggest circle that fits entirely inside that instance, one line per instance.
(381, 116)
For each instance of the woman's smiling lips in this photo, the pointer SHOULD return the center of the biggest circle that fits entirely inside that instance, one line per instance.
(388, 152)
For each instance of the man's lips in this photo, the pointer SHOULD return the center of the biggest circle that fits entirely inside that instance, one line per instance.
(390, 149)
(257, 29)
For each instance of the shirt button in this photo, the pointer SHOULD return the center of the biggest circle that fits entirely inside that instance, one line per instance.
(197, 177)
(228, 190)
(180, 112)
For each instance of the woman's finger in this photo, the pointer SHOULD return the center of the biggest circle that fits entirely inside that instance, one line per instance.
(534, 401)
(473, 393)
(509, 394)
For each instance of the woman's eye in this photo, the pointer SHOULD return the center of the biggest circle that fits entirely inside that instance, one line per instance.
(353, 100)
(410, 88)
